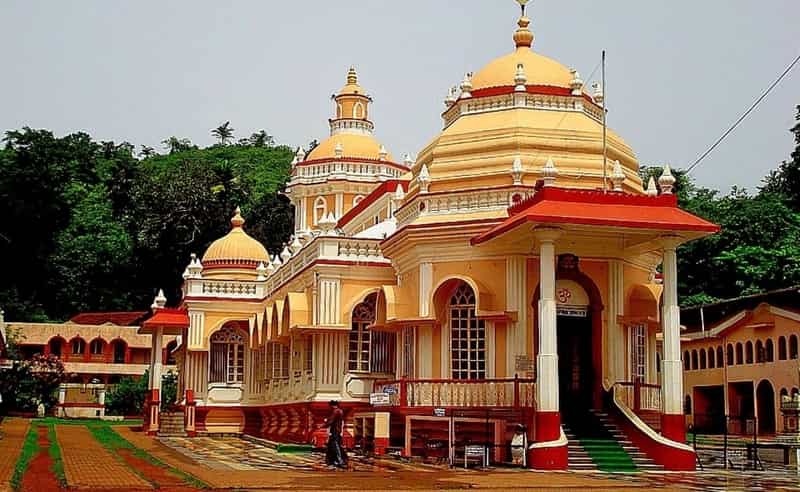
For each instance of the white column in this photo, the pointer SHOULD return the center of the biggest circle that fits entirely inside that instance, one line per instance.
(547, 359)
(155, 359)
(339, 205)
(670, 318)
(425, 286)
(616, 336)
(516, 300)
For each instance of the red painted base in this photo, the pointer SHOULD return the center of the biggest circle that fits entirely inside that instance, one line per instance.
(673, 427)
(381, 443)
(548, 428)
(668, 456)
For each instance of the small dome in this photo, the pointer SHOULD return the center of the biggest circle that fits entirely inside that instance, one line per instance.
(352, 145)
(539, 69)
(237, 247)
(352, 87)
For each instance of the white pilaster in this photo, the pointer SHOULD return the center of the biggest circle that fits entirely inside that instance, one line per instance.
(425, 286)
(615, 339)
(339, 205)
(547, 359)
(672, 389)
(516, 300)
(155, 359)
(329, 293)
(303, 214)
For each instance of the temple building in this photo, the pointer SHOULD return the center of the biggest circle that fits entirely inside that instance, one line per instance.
(507, 275)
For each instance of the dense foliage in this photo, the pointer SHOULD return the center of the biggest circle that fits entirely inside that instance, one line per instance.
(29, 382)
(88, 225)
(127, 397)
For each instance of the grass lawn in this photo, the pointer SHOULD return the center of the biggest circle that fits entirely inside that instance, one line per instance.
(87, 422)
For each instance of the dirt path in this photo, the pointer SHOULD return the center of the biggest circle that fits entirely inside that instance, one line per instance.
(88, 464)
(39, 475)
(14, 431)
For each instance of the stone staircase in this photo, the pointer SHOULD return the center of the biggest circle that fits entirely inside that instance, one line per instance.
(171, 425)
(595, 442)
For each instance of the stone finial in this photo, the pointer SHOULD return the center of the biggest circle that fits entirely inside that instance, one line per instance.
(520, 79)
(285, 254)
(549, 172)
(299, 156)
(598, 93)
(383, 153)
(338, 151)
(516, 170)
(399, 194)
(270, 268)
(327, 222)
(261, 271)
(295, 245)
(617, 176)
(186, 273)
(407, 161)
(159, 301)
(666, 181)
(277, 261)
(576, 84)
(651, 187)
(424, 179)
(466, 85)
(195, 268)
(452, 96)
(237, 220)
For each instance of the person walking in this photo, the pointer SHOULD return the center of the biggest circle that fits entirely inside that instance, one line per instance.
(335, 455)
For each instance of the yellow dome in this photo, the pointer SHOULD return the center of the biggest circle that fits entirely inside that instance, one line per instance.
(236, 247)
(539, 69)
(352, 145)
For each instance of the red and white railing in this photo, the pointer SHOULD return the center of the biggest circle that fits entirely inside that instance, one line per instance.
(509, 392)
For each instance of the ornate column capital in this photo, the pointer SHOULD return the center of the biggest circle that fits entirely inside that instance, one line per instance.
(671, 241)
(547, 234)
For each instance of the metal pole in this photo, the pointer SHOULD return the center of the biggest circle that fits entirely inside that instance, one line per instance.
(605, 143)
(725, 443)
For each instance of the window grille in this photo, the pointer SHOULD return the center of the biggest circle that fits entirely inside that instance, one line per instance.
(467, 336)
(227, 356)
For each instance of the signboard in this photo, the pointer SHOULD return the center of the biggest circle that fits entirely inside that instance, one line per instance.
(390, 390)
(474, 451)
(379, 399)
(438, 412)
(524, 363)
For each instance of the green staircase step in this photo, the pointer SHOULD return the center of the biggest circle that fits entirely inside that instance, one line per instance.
(294, 448)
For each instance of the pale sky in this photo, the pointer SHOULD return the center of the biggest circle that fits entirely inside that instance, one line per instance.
(679, 71)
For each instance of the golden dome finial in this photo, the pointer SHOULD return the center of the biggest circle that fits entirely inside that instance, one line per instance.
(237, 221)
(352, 76)
(523, 37)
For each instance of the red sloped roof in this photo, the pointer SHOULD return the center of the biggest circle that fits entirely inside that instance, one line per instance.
(120, 318)
(168, 318)
(389, 186)
(593, 207)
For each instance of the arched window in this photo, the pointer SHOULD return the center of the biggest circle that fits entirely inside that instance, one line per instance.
(687, 405)
(56, 346)
(227, 356)
(730, 354)
(119, 347)
(694, 360)
(739, 354)
(711, 358)
(78, 346)
(686, 361)
(782, 348)
(363, 316)
(320, 209)
(748, 352)
(761, 355)
(769, 351)
(467, 335)
(338, 110)
(793, 347)
(702, 358)
(794, 391)
(96, 347)
(358, 110)
(720, 361)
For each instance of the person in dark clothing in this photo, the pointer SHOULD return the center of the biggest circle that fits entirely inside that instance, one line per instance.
(335, 455)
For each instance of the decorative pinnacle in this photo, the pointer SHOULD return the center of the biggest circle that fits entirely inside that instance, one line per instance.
(352, 76)
(617, 176)
(651, 187)
(666, 181)
(520, 79)
(237, 221)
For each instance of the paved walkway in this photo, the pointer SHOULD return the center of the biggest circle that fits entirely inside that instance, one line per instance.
(87, 464)
(13, 433)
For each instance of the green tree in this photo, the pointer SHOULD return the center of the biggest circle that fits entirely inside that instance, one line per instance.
(176, 145)
(223, 133)
(786, 179)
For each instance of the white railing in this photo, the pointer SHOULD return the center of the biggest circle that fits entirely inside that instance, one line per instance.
(461, 202)
(639, 396)
(370, 172)
(513, 393)
(299, 387)
(235, 289)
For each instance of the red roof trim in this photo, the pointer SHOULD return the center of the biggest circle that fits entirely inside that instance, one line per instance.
(168, 317)
(331, 160)
(120, 318)
(544, 90)
(592, 207)
(389, 186)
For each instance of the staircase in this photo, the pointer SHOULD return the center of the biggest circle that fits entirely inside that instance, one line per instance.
(596, 443)
(171, 425)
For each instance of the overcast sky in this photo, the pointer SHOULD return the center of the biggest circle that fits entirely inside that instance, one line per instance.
(679, 71)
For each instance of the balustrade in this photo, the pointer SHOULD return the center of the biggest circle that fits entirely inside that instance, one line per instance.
(639, 397)
(513, 393)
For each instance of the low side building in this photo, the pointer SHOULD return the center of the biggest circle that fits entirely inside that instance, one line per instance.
(740, 361)
(97, 349)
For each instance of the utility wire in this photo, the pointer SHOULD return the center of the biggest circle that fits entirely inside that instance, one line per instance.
(746, 113)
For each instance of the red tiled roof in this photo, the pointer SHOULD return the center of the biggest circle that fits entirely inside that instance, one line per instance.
(168, 317)
(593, 207)
(389, 186)
(120, 318)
